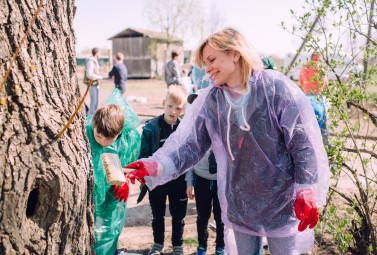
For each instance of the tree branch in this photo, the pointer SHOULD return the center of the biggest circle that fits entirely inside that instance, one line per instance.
(348, 199)
(364, 137)
(374, 155)
(372, 116)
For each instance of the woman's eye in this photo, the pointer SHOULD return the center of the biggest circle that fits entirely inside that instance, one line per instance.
(211, 60)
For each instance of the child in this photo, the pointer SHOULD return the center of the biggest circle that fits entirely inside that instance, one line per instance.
(272, 168)
(155, 133)
(187, 83)
(119, 72)
(268, 63)
(202, 178)
(199, 77)
(313, 80)
(109, 132)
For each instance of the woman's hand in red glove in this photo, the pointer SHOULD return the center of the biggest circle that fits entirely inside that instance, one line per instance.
(141, 171)
(306, 209)
(121, 192)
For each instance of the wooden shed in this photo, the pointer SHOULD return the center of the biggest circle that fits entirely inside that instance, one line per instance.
(145, 52)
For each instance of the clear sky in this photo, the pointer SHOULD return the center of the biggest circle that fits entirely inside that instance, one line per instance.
(98, 20)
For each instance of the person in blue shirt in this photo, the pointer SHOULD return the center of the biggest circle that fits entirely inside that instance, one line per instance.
(119, 73)
(199, 77)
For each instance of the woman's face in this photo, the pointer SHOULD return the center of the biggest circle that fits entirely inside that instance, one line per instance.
(222, 67)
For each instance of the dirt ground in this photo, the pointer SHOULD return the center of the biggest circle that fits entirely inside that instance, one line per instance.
(146, 96)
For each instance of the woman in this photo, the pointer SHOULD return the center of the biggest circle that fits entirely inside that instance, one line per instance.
(272, 167)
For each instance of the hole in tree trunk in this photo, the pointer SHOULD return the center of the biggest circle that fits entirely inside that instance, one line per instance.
(44, 202)
(32, 202)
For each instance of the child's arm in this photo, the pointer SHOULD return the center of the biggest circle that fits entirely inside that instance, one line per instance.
(146, 144)
(190, 177)
(190, 183)
(111, 73)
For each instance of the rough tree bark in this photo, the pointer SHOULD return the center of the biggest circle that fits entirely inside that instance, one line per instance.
(46, 184)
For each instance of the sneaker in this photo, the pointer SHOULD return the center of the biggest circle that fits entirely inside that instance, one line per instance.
(157, 249)
(201, 250)
(220, 251)
(177, 250)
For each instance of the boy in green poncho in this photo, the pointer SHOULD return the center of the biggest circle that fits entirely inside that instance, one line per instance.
(109, 131)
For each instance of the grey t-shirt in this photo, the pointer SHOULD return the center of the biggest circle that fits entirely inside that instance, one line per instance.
(201, 169)
(172, 73)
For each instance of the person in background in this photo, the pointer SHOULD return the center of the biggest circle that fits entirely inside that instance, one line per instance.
(187, 82)
(269, 63)
(110, 131)
(202, 179)
(199, 77)
(272, 168)
(173, 70)
(119, 72)
(155, 132)
(312, 80)
(92, 73)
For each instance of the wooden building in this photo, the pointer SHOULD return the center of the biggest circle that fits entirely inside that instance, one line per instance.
(145, 52)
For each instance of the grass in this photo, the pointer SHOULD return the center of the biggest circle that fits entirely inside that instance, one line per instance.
(191, 241)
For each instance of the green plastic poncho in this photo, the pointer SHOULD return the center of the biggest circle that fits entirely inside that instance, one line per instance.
(109, 214)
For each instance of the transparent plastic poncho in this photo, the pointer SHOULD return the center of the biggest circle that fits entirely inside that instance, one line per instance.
(109, 214)
(267, 144)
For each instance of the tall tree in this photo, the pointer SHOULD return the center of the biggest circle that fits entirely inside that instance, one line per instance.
(45, 182)
(216, 18)
(176, 18)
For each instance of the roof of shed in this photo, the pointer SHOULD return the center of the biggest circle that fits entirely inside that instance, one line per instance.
(132, 32)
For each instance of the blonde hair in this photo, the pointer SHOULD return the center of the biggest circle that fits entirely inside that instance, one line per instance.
(177, 93)
(119, 56)
(108, 120)
(228, 40)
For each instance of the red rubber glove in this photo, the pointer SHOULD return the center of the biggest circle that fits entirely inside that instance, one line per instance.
(121, 193)
(306, 209)
(141, 171)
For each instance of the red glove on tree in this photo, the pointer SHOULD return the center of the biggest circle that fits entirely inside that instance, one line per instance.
(141, 170)
(306, 209)
(121, 193)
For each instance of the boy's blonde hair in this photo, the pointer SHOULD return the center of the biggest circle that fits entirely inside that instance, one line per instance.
(177, 93)
(108, 120)
(229, 40)
(119, 56)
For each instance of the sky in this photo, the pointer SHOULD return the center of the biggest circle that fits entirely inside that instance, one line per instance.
(97, 20)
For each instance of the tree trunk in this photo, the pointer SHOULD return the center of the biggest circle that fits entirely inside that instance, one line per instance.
(46, 183)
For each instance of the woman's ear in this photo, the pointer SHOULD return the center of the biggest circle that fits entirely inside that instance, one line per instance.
(236, 56)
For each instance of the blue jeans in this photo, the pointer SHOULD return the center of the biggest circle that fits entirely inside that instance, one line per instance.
(94, 98)
(252, 245)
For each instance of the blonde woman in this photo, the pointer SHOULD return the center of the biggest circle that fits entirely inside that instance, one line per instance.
(272, 166)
